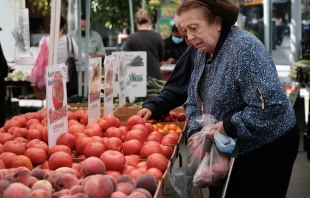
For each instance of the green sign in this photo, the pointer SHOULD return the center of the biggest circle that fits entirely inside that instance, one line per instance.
(164, 28)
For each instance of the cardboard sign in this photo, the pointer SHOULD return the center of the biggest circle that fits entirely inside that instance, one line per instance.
(56, 102)
(122, 84)
(94, 82)
(109, 63)
(134, 65)
(136, 69)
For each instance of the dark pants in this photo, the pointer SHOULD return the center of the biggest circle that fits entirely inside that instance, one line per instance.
(266, 171)
(2, 107)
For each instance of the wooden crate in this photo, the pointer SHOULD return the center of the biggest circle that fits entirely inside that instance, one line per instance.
(130, 104)
(159, 191)
(124, 113)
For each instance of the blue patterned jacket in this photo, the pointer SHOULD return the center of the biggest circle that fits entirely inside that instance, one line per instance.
(240, 87)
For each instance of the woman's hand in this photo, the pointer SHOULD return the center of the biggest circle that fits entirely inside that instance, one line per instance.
(145, 114)
(217, 127)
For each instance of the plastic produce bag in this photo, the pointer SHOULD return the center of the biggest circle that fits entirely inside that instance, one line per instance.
(213, 168)
(182, 178)
(38, 71)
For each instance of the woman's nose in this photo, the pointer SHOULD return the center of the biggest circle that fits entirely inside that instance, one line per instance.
(190, 36)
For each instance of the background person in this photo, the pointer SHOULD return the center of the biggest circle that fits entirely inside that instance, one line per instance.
(235, 80)
(146, 39)
(95, 44)
(63, 51)
(175, 46)
(3, 73)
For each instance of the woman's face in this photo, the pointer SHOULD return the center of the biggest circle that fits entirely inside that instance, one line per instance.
(200, 33)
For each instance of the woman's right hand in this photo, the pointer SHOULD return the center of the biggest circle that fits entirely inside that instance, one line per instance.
(145, 114)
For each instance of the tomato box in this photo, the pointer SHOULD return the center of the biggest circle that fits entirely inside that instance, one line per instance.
(124, 113)
(159, 191)
(133, 105)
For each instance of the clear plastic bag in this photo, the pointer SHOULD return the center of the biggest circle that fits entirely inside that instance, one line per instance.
(213, 167)
(182, 178)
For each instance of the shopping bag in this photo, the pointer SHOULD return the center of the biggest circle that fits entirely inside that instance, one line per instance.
(37, 76)
(181, 179)
(72, 85)
(213, 168)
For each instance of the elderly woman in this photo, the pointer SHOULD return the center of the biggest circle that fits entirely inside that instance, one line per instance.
(235, 80)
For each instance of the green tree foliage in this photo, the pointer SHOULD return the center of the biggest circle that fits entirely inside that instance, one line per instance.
(114, 13)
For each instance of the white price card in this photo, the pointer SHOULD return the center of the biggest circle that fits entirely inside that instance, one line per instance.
(56, 101)
(94, 90)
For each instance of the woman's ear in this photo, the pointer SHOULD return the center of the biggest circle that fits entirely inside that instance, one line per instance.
(218, 23)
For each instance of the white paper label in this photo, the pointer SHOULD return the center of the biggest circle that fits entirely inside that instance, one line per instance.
(56, 99)
(109, 63)
(94, 82)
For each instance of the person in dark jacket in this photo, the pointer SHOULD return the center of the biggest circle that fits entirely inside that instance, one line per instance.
(174, 93)
(146, 39)
(175, 46)
(3, 74)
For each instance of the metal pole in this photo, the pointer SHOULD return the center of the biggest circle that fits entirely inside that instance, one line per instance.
(54, 32)
(71, 16)
(142, 4)
(267, 24)
(295, 30)
(86, 48)
(132, 27)
(79, 46)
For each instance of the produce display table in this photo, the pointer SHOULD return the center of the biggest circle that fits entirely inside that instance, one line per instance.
(166, 70)
(10, 85)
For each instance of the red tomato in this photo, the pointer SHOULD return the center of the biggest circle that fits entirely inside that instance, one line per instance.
(115, 132)
(142, 128)
(113, 160)
(149, 127)
(22, 120)
(37, 156)
(58, 91)
(71, 115)
(113, 173)
(59, 159)
(94, 149)
(67, 139)
(167, 151)
(72, 122)
(149, 149)
(81, 144)
(77, 128)
(131, 160)
(133, 120)
(57, 148)
(135, 173)
(36, 143)
(126, 170)
(32, 121)
(155, 172)
(14, 147)
(155, 138)
(114, 143)
(11, 123)
(157, 160)
(132, 147)
(137, 135)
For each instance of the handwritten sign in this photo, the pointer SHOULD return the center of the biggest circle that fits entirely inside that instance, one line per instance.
(94, 82)
(56, 98)
(109, 64)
